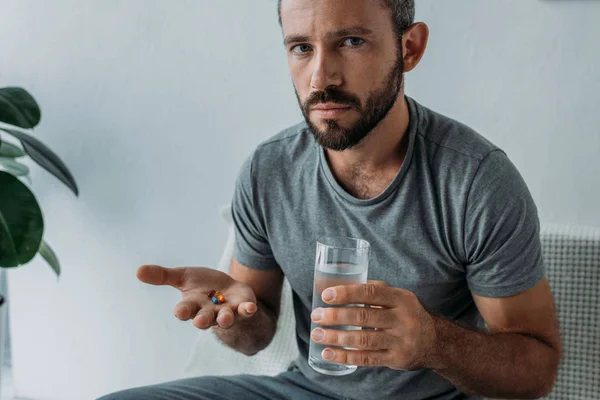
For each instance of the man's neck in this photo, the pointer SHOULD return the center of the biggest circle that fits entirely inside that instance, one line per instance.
(366, 169)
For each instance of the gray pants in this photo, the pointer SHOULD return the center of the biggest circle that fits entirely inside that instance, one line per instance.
(288, 385)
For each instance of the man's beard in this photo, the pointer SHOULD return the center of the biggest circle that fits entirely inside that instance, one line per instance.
(378, 104)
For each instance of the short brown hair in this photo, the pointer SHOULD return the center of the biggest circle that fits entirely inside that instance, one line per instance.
(403, 14)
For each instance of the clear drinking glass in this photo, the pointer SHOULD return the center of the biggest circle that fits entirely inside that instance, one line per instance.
(339, 261)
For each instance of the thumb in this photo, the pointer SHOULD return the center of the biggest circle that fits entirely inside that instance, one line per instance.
(247, 309)
(160, 276)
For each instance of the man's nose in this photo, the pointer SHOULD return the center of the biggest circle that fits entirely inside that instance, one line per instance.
(326, 73)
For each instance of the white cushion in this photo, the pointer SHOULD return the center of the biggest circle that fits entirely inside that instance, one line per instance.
(210, 357)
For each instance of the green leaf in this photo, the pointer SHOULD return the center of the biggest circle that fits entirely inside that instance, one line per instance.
(41, 154)
(15, 168)
(50, 257)
(21, 222)
(9, 150)
(19, 108)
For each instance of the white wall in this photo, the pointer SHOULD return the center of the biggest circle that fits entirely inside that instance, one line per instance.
(154, 104)
(526, 74)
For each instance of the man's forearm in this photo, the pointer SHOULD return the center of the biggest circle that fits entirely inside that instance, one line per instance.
(498, 365)
(251, 335)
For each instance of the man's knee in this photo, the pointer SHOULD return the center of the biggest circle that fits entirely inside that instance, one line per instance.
(123, 395)
(189, 389)
(133, 394)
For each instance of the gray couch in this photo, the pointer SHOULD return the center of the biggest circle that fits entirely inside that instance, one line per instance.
(572, 257)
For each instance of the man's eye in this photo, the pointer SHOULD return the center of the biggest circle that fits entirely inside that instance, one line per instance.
(353, 41)
(301, 48)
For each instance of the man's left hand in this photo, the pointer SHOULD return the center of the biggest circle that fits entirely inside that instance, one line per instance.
(404, 333)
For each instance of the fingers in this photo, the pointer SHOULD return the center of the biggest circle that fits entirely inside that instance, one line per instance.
(157, 275)
(355, 357)
(204, 319)
(246, 310)
(371, 294)
(185, 310)
(381, 283)
(360, 340)
(225, 318)
(380, 318)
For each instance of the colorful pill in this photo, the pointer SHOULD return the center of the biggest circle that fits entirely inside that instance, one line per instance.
(215, 300)
(220, 296)
(211, 294)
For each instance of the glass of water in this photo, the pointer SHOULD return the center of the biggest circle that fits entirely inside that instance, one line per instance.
(339, 261)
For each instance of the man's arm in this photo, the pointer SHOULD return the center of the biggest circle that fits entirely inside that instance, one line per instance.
(518, 358)
(253, 334)
(519, 355)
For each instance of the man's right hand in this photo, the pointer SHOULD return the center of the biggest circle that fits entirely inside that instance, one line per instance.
(195, 283)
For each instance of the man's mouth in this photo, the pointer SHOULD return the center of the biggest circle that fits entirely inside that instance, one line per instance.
(330, 110)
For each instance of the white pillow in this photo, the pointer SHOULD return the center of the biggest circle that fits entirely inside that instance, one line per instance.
(210, 357)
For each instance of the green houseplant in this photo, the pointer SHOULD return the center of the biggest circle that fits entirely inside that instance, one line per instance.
(21, 219)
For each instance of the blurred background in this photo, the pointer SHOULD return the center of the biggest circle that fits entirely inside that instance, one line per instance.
(154, 105)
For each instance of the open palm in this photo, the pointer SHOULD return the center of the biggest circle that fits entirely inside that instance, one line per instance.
(195, 283)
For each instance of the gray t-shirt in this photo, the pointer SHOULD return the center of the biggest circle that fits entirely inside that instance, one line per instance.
(457, 219)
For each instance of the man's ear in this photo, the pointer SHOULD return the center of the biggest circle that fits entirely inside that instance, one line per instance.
(414, 43)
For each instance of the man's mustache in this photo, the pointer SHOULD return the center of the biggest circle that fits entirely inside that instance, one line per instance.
(331, 96)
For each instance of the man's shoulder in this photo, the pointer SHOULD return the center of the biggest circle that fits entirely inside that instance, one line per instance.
(452, 137)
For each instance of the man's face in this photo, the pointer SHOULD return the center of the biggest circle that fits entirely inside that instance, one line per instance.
(346, 65)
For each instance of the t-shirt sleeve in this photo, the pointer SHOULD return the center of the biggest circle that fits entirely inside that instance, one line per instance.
(251, 248)
(502, 233)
